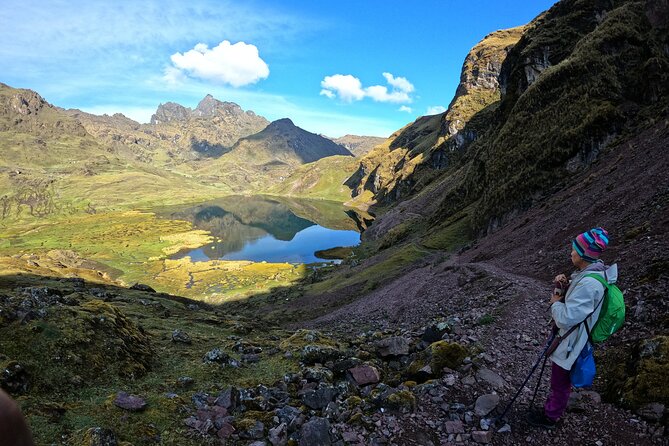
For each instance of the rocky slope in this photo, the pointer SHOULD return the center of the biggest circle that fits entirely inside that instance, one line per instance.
(582, 75)
(359, 145)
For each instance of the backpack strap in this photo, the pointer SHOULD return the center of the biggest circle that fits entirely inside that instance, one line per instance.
(558, 339)
(605, 284)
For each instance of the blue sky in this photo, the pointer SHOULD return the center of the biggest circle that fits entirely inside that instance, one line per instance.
(333, 67)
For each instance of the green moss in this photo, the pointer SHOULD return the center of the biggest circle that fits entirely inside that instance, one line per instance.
(446, 354)
(402, 400)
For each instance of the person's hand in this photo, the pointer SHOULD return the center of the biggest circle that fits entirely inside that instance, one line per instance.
(555, 298)
(561, 278)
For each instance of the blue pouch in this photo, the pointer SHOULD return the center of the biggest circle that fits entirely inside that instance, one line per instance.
(583, 372)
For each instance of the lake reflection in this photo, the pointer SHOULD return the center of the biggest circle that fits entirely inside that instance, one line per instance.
(272, 230)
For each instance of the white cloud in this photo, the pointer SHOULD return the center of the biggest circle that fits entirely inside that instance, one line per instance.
(435, 110)
(236, 64)
(404, 108)
(349, 88)
(400, 83)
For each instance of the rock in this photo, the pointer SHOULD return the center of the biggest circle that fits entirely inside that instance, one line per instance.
(320, 397)
(185, 382)
(316, 432)
(485, 423)
(435, 332)
(97, 436)
(250, 358)
(486, 404)
(402, 400)
(365, 374)
(14, 378)
(317, 374)
(395, 346)
(142, 287)
(250, 429)
(343, 365)
(504, 429)
(592, 396)
(492, 378)
(216, 356)
(225, 431)
(181, 336)
(287, 414)
(483, 437)
(258, 443)
(133, 403)
(278, 436)
(312, 354)
(454, 427)
(652, 411)
(228, 398)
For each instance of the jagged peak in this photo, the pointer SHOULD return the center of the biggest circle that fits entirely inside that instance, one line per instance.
(209, 106)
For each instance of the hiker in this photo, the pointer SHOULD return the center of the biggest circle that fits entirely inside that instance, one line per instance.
(13, 427)
(580, 303)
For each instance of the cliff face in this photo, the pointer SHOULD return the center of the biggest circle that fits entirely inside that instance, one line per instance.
(388, 171)
(529, 114)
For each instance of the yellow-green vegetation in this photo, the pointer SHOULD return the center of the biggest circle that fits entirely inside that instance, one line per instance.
(322, 179)
(431, 361)
(370, 277)
(80, 353)
(641, 377)
(335, 253)
(133, 246)
(402, 400)
(217, 281)
(450, 235)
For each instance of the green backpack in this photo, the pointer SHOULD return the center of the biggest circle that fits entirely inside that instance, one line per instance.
(612, 315)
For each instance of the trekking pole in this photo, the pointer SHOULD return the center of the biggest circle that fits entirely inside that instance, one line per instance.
(536, 388)
(534, 368)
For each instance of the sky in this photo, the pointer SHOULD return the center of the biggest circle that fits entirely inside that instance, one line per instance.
(334, 67)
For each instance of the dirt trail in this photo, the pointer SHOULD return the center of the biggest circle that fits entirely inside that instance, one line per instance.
(518, 307)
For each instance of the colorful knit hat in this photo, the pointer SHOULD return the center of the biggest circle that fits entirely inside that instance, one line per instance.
(591, 244)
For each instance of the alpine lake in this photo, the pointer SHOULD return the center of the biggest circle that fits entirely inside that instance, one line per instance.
(221, 250)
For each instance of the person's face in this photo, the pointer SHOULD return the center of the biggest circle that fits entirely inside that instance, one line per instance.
(575, 258)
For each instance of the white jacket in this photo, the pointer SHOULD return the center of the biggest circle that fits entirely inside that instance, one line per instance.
(583, 296)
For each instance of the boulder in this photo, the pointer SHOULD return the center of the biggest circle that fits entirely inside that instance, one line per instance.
(365, 374)
(142, 287)
(132, 403)
(395, 346)
(312, 354)
(228, 398)
(435, 332)
(483, 437)
(278, 436)
(316, 432)
(454, 427)
(486, 404)
(320, 397)
(180, 336)
(98, 436)
(652, 411)
(492, 378)
(14, 378)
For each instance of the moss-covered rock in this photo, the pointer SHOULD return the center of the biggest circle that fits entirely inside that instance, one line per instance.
(431, 361)
(402, 400)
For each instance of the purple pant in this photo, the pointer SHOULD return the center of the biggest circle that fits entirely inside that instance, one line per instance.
(560, 390)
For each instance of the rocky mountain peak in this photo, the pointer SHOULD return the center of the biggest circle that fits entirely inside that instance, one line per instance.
(210, 107)
(27, 102)
(281, 124)
(170, 111)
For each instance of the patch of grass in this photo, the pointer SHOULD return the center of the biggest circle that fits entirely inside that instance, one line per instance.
(370, 277)
(335, 253)
(451, 235)
(486, 319)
